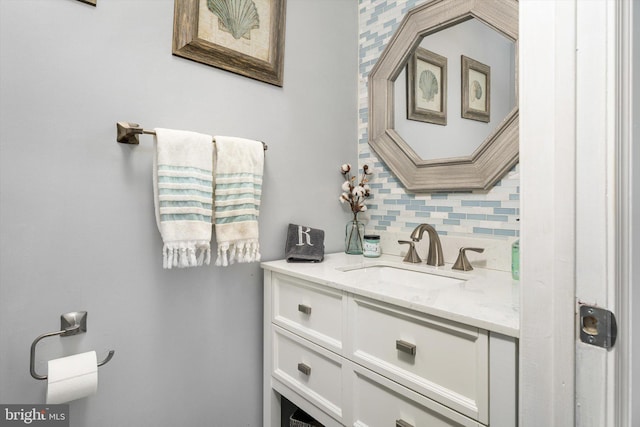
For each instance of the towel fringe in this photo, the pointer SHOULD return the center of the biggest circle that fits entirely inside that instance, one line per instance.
(186, 254)
(223, 257)
(204, 256)
(243, 251)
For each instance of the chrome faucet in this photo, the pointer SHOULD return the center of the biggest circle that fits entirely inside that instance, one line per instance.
(434, 256)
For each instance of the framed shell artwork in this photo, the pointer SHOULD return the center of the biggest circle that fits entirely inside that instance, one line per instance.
(245, 37)
(427, 87)
(476, 90)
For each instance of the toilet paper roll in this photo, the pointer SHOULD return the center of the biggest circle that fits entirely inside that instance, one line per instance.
(72, 377)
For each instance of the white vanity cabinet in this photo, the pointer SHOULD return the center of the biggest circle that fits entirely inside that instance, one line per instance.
(442, 360)
(351, 358)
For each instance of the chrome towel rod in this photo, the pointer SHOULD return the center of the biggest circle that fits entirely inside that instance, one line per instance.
(128, 133)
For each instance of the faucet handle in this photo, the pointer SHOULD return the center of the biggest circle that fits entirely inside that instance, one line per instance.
(412, 255)
(462, 263)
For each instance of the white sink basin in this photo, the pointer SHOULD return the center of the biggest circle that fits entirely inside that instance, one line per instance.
(384, 273)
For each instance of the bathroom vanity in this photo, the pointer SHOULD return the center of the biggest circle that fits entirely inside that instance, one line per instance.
(375, 342)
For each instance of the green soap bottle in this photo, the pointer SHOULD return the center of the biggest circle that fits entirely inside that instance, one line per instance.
(515, 260)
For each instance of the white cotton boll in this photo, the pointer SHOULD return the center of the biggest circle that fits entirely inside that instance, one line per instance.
(358, 191)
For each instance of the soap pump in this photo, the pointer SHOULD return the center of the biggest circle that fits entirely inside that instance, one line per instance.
(515, 260)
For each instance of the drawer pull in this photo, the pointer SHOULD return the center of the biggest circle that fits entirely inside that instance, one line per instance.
(403, 423)
(305, 369)
(406, 347)
(304, 309)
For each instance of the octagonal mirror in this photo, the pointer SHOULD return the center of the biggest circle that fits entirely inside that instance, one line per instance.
(443, 102)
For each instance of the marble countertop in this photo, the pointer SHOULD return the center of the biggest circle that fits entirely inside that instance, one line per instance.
(487, 299)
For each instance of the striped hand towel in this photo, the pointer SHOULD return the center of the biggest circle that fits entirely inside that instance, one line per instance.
(183, 196)
(238, 188)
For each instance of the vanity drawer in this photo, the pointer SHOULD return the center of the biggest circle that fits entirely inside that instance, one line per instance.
(313, 312)
(442, 360)
(402, 407)
(313, 372)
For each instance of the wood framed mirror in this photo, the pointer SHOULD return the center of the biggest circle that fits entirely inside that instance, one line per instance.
(496, 153)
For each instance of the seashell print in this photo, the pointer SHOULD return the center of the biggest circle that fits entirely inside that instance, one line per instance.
(428, 85)
(476, 89)
(237, 17)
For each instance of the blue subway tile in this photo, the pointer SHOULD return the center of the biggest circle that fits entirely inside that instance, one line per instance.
(389, 23)
(390, 6)
(490, 203)
(457, 216)
(444, 209)
(481, 230)
(439, 196)
(379, 7)
(509, 233)
(477, 217)
(372, 20)
(502, 218)
(451, 221)
(504, 211)
(470, 203)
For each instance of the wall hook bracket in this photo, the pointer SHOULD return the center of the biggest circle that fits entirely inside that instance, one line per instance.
(72, 323)
(128, 132)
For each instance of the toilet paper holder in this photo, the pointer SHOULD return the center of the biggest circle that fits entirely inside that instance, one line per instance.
(72, 323)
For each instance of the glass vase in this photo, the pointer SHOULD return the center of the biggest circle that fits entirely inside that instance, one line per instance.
(354, 232)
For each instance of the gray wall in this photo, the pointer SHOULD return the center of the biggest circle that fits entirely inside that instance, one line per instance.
(76, 208)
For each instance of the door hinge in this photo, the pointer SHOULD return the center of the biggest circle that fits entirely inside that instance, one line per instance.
(598, 326)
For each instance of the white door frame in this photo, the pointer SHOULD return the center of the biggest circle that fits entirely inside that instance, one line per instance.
(547, 233)
(628, 225)
(627, 14)
(572, 141)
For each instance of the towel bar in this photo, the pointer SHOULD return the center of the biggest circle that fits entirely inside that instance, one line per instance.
(128, 133)
(73, 323)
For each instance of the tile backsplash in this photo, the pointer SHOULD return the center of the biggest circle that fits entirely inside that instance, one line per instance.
(489, 214)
